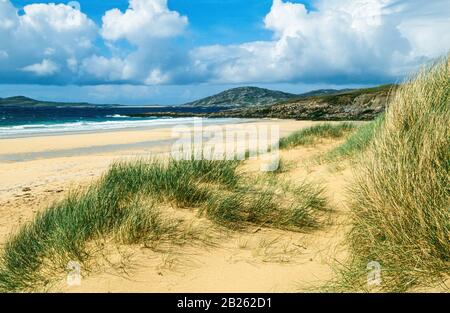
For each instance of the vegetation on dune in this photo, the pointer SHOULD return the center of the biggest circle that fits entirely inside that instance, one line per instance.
(123, 205)
(60, 233)
(313, 134)
(400, 199)
(268, 203)
(178, 182)
(358, 141)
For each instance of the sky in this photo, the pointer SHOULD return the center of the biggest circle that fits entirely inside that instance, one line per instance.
(174, 51)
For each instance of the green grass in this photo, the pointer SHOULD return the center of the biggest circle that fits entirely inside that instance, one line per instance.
(357, 142)
(179, 182)
(400, 197)
(60, 233)
(312, 134)
(270, 203)
(123, 205)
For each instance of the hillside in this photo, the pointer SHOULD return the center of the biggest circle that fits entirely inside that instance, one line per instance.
(322, 92)
(323, 105)
(360, 104)
(243, 96)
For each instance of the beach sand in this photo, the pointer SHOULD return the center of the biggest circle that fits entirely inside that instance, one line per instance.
(37, 171)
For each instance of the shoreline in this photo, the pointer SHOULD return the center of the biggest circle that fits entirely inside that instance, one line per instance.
(31, 186)
(28, 186)
(101, 141)
(157, 124)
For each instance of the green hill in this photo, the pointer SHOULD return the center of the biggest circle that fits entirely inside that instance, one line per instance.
(21, 101)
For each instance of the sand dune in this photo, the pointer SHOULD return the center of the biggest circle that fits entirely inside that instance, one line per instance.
(256, 260)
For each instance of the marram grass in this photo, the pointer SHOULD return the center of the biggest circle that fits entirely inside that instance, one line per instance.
(123, 205)
(400, 201)
(357, 142)
(314, 133)
(270, 203)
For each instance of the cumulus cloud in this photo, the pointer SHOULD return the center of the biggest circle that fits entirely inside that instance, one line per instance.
(45, 41)
(149, 26)
(343, 40)
(340, 41)
(144, 19)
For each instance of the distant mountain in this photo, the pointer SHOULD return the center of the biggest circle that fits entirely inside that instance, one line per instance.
(254, 97)
(320, 105)
(21, 101)
(243, 97)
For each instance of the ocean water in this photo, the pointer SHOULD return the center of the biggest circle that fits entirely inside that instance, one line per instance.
(32, 121)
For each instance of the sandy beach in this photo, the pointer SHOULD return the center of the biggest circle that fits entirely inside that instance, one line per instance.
(37, 171)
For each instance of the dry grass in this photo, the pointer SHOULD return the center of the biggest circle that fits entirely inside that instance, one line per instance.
(400, 198)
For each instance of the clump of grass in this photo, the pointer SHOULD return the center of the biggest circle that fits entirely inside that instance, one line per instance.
(59, 234)
(118, 206)
(358, 141)
(180, 182)
(277, 205)
(142, 225)
(312, 134)
(400, 198)
(123, 205)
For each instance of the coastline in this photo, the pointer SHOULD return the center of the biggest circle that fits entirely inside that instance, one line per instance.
(37, 170)
(30, 186)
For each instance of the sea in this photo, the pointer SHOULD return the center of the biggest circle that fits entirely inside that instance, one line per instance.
(16, 122)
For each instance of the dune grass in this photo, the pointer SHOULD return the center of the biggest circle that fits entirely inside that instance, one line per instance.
(400, 198)
(179, 182)
(358, 141)
(59, 234)
(123, 205)
(312, 134)
(268, 202)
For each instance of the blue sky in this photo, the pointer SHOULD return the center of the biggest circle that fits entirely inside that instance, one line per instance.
(169, 52)
(211, 21)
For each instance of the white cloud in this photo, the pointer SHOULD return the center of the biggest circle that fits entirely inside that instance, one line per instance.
(105, 69)
(149, 25)
(41, 40)
(143, 20)
(157, 77)
(45, 68)
(346, 40)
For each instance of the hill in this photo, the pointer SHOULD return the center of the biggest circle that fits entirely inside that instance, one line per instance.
(242, 97)
(21, 101)
(360, 104)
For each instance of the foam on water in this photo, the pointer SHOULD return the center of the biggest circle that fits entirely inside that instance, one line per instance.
(87, 126)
